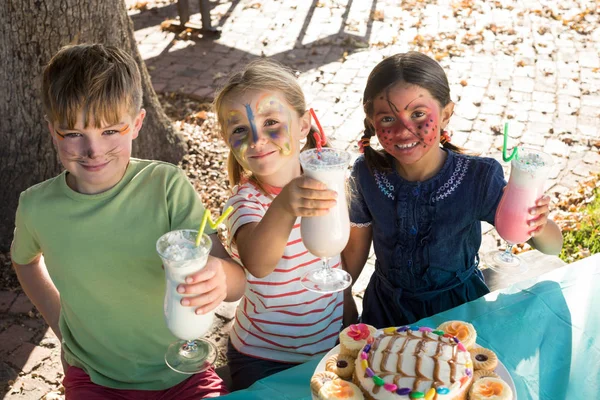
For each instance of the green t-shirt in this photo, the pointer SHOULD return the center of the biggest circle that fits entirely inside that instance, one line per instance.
(101, 255)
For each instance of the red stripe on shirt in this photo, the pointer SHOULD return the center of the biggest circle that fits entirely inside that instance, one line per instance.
(333, 299)
(270, 348)
(262, 321)
(274, 283)
(245, 215)
(296, 304)
(275, 296)
(297, 266)
(282, 346)
(293, 242)
(291, 336)
(294, 256)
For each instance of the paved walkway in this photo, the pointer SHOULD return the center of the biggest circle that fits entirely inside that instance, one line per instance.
(524, 61)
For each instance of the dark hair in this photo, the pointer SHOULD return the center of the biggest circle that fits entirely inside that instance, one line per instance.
(413, 68)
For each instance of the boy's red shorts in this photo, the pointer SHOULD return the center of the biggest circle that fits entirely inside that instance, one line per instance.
(78, 386)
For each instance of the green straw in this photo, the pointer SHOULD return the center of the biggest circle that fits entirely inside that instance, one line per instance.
(206, 218)
(514, 152)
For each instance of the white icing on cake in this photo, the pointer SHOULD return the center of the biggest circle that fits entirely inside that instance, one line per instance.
(415, 360)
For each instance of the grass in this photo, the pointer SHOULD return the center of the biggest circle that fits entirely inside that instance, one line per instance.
(583, 238)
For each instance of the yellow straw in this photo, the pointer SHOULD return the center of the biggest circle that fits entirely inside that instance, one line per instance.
(207, 218)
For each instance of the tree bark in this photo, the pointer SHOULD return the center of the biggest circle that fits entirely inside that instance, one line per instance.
(31, 31)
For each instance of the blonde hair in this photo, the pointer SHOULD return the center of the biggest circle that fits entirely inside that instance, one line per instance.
(100, 81)
(260, 74)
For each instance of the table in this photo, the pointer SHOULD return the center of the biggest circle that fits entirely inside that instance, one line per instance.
(546, 331)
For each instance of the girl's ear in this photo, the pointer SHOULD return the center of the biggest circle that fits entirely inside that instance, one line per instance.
(447, 113)
(305, 124)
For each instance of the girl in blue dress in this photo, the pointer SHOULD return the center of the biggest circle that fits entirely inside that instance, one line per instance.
(420, 200)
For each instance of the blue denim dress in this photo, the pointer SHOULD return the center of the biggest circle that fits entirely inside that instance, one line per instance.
(426, 236)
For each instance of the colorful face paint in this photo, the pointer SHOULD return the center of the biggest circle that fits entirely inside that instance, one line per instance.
(239, 139)
(124, 131)
(406, 121)
(96, 158)
(252, 123)
(280, 135)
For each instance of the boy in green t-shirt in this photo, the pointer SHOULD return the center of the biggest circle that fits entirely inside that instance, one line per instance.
(84, 244)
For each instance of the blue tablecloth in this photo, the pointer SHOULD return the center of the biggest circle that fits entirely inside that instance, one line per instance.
(546, 332)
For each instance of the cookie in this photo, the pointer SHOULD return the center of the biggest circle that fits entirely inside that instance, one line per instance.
(482, 373)
(340, 364)
(490, 388)
(354, 338)
(340, 389)
(483, 359)
(464, 331)
(319, 379)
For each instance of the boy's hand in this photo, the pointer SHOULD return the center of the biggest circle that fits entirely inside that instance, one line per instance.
(210, 285)
(540, 211)
(306, 197)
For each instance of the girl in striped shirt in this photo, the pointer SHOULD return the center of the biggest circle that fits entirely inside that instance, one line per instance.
(278, 323)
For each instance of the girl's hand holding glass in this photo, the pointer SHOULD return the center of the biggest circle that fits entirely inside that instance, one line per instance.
(540, 211)
(306, 197)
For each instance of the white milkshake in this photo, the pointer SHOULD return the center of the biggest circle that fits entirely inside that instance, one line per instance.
(181, 258)
(326, 236)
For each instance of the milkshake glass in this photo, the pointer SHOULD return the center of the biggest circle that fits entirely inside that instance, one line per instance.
(528, 174)
(181, 258)
(326, 236)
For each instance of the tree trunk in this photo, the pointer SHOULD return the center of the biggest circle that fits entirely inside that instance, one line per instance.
(31, 31)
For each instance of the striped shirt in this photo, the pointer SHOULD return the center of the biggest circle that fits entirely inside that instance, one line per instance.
(277, 318)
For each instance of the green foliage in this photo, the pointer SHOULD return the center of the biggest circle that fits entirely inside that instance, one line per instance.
(584, 239)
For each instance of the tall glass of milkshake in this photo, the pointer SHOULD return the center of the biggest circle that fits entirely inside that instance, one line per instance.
(326, 236)
(528, 174)
(181, 258)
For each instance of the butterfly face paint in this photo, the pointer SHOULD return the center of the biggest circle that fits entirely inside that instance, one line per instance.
(406, 121)
(280, 134)
(259, 127)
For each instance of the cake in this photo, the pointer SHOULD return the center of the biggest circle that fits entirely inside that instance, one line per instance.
(483, 359)
(342, 365)
(464, 331)
(339, 389)
(413, 362)
(354, 338)
(490, 389)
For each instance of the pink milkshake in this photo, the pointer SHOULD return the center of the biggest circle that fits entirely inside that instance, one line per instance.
(525, 186)
(528, 173)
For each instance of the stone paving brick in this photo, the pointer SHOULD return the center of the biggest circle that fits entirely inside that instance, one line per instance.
(7, 373)
(13, 337)
(592, 157)
(557, 147)
(26, 387)
(543, 128)
(28, 356)
(6, 299)
(22, 305)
